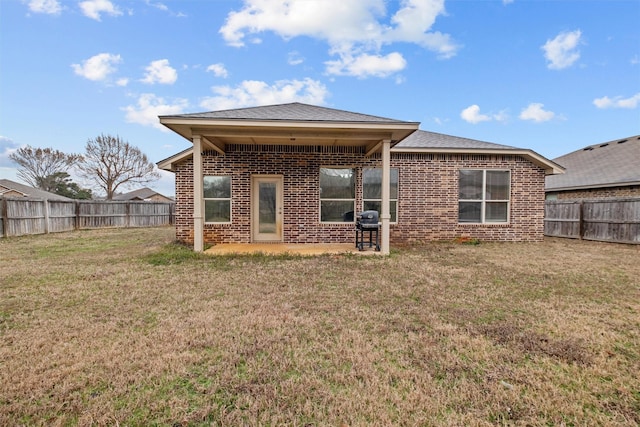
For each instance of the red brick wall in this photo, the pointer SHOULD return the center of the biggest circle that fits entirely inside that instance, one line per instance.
(427, 202)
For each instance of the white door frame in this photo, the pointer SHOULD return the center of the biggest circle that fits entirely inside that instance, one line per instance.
(277, 235)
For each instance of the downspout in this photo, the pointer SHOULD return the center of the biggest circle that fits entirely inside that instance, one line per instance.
(198, 211)
(385, 216)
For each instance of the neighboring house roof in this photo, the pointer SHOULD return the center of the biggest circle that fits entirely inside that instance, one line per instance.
(217, 129)
(609, 164)
(7, 186)
(140, 194)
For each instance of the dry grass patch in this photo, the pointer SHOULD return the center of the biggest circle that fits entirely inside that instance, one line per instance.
(125, 327)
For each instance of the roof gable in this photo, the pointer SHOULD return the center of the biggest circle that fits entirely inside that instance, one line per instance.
(296, 123)
(608, 164)
(295, 111)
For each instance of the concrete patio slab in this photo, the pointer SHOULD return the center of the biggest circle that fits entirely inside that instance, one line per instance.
(283, 248)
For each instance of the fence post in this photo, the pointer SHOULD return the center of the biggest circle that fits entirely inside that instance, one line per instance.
(581, 219)
(5, 217)
(46, 216)
(127, 211)
(76, 225)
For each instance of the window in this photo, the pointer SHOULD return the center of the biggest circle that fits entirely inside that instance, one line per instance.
(483, 196)
(337, 195)
(217, 199)
(372, 191)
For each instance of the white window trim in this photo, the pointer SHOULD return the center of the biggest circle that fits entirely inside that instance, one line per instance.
(230, 198)
(321, 199)
(484, 201)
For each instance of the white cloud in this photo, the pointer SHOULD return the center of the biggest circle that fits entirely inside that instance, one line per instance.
(561, 52)
(122, 82)
(294, 58)
(366, 65)
(163, 7)
(472, 115)
(7, 146)
(505, 2)
(535, 112)
(160, 72)
(218, 70)
(50, 7)
(98, 67)
(333, 20)
(501, 116)
(352, 29)
(158, 5)
(618, 102)
(252, 93)
(149, 107)
(93, 8)
(412, 24)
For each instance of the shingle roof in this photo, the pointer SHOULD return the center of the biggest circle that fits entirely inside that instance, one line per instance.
(295, 111)
(140, 194)
(407, 135)
(607, 164)
(30, 191)
(425, 139)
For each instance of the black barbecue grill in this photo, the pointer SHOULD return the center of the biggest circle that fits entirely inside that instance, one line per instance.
(367, 221)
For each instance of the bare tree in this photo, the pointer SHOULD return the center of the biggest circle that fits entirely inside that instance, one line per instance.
(111, 162)
(36, 165)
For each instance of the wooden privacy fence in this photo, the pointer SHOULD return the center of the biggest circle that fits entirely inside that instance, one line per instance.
(607, 220)
(22, 216)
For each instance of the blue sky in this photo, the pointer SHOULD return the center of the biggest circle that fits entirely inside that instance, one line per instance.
(552, 76)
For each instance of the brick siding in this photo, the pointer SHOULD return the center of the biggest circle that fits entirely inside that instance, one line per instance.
(427, 194)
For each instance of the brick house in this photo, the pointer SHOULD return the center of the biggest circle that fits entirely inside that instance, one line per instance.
(601, 171)
(298, 173)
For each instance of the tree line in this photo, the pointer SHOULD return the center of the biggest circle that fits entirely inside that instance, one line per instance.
(109, 163)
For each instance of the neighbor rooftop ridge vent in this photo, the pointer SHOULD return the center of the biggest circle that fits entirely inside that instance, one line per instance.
(623, 141)
(588, 148)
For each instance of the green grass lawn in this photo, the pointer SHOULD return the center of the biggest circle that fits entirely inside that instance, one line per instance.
(125, 327)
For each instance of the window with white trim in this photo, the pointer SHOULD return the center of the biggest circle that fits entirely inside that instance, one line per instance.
(372, 191)
(217, 199)
(483, 196)
(337, 194)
